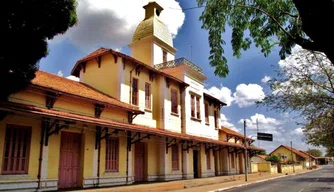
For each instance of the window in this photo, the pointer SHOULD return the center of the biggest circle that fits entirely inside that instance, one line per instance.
(208, 160)
(147, 96)
(16, 150)
(164, 56)
(175, 157)
(216, 119)
(174, 101)
(112, 145)
(206, 111)
(198, 111)
(135, 91)
(195, 106)
(232, 160)
(192, 105)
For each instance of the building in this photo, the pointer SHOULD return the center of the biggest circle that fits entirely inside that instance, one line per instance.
(291, 155)
(129, 119)
(259, 159)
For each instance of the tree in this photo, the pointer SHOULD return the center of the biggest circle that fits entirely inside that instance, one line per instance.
(283, 22)
(26, 26)
(305, 86)
(330, 152)
(262, 153)
(273, 158)
(315, 152)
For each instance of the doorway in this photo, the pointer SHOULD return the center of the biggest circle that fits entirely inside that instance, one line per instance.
(139, 161)
(69, 161)
(195, 164)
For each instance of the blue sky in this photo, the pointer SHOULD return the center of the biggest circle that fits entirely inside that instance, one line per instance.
(114, 18)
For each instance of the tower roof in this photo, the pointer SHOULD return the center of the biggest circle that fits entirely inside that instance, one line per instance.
(152, 25)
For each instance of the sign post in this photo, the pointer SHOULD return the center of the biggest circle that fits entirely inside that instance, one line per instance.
(265, 136)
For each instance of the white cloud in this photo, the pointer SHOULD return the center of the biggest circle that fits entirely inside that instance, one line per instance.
(60, 73)
(223, 93)
(298, 131)
(225, 122)
(265, 79)
(262, 122)
(73, 78)
(112, 23)
(247, 95)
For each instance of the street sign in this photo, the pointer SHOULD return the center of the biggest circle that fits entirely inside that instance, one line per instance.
(265, 136)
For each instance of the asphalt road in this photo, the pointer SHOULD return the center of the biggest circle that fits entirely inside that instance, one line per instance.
(319, 180)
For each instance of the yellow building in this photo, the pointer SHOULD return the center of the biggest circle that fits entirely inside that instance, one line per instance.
(128, 119)
(290, 155)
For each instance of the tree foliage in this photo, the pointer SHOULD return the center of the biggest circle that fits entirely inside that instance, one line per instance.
(305, 85)
(26, 26)
(266, 23)
(273, 158)
(315, 152)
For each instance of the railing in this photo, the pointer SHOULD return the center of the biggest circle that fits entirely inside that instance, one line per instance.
(177, 62)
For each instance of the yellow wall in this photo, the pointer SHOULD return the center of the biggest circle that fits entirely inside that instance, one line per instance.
(283, 151)
(103, 78)
(152, 158)
(173, 122)
(254, 167)
(142, 51)
(29, 97)
(264, 167)
(122, 156)
(34, 143)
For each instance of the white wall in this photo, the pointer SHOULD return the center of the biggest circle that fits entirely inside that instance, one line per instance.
(194, 127)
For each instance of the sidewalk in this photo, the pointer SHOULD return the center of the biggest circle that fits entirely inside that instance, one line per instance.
(211, 184)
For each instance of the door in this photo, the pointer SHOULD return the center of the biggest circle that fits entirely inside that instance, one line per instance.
(195, 163)
(139, 161)
(69, 160)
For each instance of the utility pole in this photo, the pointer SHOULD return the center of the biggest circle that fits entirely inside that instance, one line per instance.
(246, 159)
(293, 162)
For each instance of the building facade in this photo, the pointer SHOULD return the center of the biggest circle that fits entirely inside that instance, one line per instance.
(129, 119)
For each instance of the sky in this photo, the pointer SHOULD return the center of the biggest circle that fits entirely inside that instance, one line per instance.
(111, 23)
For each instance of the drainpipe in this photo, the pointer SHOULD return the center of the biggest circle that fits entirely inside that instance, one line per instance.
(128, 146)
(98, 155)
(41, 155)
(130, 90)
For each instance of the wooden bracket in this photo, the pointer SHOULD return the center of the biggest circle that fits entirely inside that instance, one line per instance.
(123, 61)
(169, 143)
(51, 98)
(228, 137)
(190, 145)
(210, 146)
(139, 69)
(131, 116)
(48, 125)
(115, 58)
(98, 60)
(168, 82)
(3, 114)
(98, 110)
(182, 88)
(137, 137)
(152, 75)
(99, 137)
(83, 65)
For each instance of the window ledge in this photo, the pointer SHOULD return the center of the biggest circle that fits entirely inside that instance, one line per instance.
(148, 110)
(175, 114)
(208, 124)
(195, 119)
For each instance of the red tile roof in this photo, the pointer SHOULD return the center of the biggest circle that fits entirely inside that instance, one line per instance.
(234, 133)
(43, 112)
(102, 51)
(306, 153)
(297, 152)
(55, 83)
(262, 156)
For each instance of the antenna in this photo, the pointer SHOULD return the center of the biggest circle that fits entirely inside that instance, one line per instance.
(191, 52)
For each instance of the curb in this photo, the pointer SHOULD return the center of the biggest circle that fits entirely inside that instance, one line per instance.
(245, 184)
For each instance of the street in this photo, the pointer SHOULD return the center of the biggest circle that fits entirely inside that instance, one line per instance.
(319, 180)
